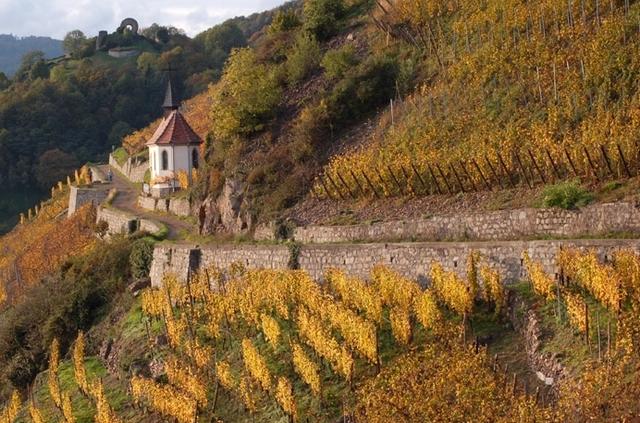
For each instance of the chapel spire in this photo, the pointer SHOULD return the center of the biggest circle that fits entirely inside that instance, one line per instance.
(171, 99)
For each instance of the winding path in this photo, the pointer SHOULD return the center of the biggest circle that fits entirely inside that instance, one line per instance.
(127, 200)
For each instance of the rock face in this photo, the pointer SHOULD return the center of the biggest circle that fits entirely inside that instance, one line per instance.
(228, 213)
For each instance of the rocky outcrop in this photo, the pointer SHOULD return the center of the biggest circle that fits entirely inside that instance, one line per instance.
(228, 213)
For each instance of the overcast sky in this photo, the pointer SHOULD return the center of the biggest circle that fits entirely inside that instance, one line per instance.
(55, 18)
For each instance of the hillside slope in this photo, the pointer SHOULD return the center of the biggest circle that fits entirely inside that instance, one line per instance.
(498, 96)
(13, 48)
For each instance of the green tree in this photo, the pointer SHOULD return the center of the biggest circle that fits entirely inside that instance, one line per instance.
(337, 62)
(27, 62)
(54, 165)
(140, 258)
(246, 97)
(321, 17)
(284, 20)
(304, 58)
(222, 38)
(74, 42)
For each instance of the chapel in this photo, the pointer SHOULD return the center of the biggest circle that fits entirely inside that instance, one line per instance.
(174, 148)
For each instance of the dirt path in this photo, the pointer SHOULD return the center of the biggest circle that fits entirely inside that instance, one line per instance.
(127, 200)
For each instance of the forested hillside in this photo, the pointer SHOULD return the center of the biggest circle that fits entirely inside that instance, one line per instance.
(12, 49)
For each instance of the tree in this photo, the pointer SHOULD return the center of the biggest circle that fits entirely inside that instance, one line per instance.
(224, 37)
(284, 20)
(321, 17)
(53, 166)
(4, 81)
(74, 42)
(304, 58)
(246, 96)
(28, 61)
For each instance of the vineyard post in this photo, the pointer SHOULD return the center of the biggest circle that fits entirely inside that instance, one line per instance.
(609, 338)
(383, 183)
(504, 376)
(593, 167)
(435, 180)
(457, 177)
(539, 84)
(486, 182)
(586, 324)
(573, 168)
(555, 84)
(513, 383)
(445, 179)
(599, 340)
(395, 180)
(357, 182)
(605, 157)
(419, 177)
(493, 171)
(537, 395)
(535, 164)
(464, 328)
(624, 161)
(335, 186)
(597, 14)
(406, 178)
(506, 171)
(553, 164)
(366, 178)
(326, 190)
(351, 194)
(473, 185)
(524, 171)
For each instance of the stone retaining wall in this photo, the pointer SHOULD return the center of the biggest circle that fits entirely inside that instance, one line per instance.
(121, 222)
(177, 206)
(181, 259)
(134, 168)
(592, 220)
(410, 259)
(78, 197)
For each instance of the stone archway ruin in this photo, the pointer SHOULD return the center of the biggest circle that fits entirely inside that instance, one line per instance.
(131, 23)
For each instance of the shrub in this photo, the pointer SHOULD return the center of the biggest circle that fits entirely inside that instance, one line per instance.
(364, 89)
(321, 17)
(337, 62)
(140, 258)
(566, 195)
(284, 20)
(246, 97)
(303, 59)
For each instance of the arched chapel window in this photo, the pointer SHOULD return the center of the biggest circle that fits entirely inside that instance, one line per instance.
(194, 158)
(165, 160)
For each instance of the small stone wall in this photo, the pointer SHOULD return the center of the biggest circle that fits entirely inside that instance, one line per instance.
(545, 365)
(592, 220)
(134, 168)
(177, 206)
(181, 259)
(78, 197)
(413, 260)
(121, 222)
